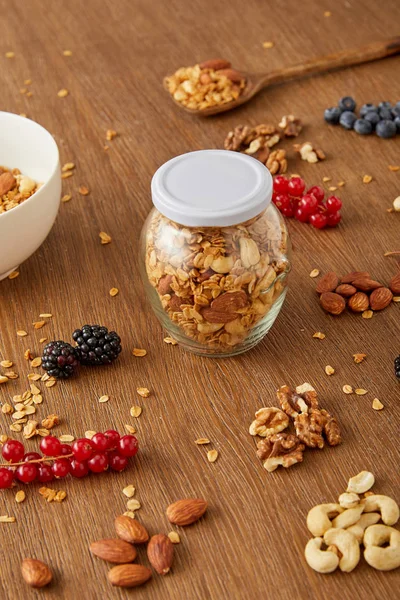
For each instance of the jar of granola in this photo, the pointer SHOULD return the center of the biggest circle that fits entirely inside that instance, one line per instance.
(216, 252)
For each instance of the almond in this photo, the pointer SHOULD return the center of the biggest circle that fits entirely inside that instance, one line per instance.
(332, 303)
(215, 63)
(187, 511)
(359, 302)
(365, 284)
(217, 316)
(205, 79)
(7, 182)
(164, 285)
(35, 572)
(230, 301)
(380, 298)
(327, 283)
(160, 552)
(346, 290)
(231, 74)
(129, 575)
(350, 277)
(130, 530)
(395, 284)
(114, 551)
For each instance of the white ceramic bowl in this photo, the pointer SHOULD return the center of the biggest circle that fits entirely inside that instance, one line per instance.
(29, 147)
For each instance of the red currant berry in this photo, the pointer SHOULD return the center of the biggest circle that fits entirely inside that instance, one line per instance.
(6, 478)
(296, 186)
(27, 472)
(113, 438)
(45, 473)
(302, 215)
(318, 220)
(128, 445)
(13, 451)
(117, 461)
(317, 191)
(334, 219)
(79, 469)
(308, 203)
(82, 449)
(65, 449)
(281, 184)
(50, 446)
(333, 204)
(32, 456)
(100, 442)
(61, 467)
(98, 463)
(282, 200)
(288, 211)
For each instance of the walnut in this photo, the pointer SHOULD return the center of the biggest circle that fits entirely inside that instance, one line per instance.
(268, 422)
(309, 153)
(331, 429)
(309, 427)
(240, 137)
(293, 403)
(277, 162)
(282, 449)
(291, 125)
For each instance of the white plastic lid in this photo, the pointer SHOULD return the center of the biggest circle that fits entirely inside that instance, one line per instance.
(211, 188)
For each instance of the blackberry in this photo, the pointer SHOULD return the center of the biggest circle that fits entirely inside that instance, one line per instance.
(60, 359)
(95, 345)
(397, 367)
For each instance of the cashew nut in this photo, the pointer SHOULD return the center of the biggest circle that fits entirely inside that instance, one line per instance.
(364, 521)
(323, 561)
(348, 517)
(387, 506)
(383, 559)
(349, 500)
(347, 544)
(361, 483)
(318, 519)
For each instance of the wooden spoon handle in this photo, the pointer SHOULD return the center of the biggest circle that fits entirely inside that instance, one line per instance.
(346, 58)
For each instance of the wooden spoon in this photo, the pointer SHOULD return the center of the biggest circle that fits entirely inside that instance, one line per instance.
(346, 58)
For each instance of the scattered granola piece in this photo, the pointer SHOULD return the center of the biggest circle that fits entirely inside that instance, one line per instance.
(290, 125)
(36, 362)
(6, 409)
(43, 340)
(129, 491)
(139, 352)
(20, 496)
(104, 398)
(347, 389)
(3, 379)
(394, 168)
(6, 519)
(326, 179)
(130, 429)
(52, 495)
(309, 153)
(34, 389)
(13, 275)
(174, 537)
(314, 273)
(130, 514)
(319, 335)
(34, 376)
(21, 333)
(358, 358)
(62, 93)
(171, 341)
(367, 179)
(104, 237)
(83, 190)
(11, 374)
(50, 421)
(136, 411)
(114, 291)
(6, 364)
(212, 455)
(133, 504)
(202, 441)
(69, 166)
(329, 370)
(67, 52)
(360, 392)
(66, 198)
(367, 314)
(143, 391)
(110, 134)
(9, 54)
(268, 45)
(377, 404)
(50, 383)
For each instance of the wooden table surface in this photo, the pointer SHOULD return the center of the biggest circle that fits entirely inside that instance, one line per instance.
(252, 539)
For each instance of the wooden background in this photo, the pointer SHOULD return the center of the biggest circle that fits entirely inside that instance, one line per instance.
(252, 540)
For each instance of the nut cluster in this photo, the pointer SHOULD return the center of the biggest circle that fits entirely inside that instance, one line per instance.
(312, 426)
(341, 528)
(216, 284)
(210, 83)
(356, 290)
(308, 153)
(15, 188)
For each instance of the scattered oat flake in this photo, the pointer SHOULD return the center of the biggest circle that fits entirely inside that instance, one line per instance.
(202, 441)
(143, 391)
(377, 404)
(110, 134)
(67, 52)
(327, 13)
(34, 389)
(6, 364)
(396, 298)
(104, 398)
(170, 340)
(39, 324)
(133, 504)
(9, 54)
(34, 377)
(21, 333)
(20, 496)
(341, 183)
(394, 168)
(319, 335)
(212, 455)
(66, 437)
(361, 391)
(13, 275)
(326, 179)
(89, 434)
(62, 93)
(3, 438)
(268, 45)
(83, 190)
(139, 352)
(67, 174)
(66, 198)
(68, 167)
(36, 362)
(43, 340)
(3, 379)
(358, 358)
(129, 491)
(50, 383)
(6, 519)
(104, 237)
(367, 179)
(329, 370)
(367, 314)
(347, 389)
(11, 375)
(174, 537)
(332, 188)
(27, 81)
(130, 429)
(130, 514)
(314, 273)
(114, 291)
(136, 411)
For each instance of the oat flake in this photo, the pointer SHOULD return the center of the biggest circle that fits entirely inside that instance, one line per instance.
(6, 519)
(104, 398)
(319, 335)
(133, 504)
(20, 496)
(21, 333)
(367, 314)
(66, 437)
(66, 198)
(202, 441)
(139, 352)
(361, 392)
(174, 537)
(104, 238)
(89, 434)
(377, 404)
(130, 429)
(13, 275)
(212, 455)
(62, 93)
(143, 392)
(347, 389)
(129, 491)
(6, 364)
(314, 273)
(170, 340)
(114, 291)
(136, 411)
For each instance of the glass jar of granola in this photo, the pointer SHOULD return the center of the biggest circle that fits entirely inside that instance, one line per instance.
(215, 251)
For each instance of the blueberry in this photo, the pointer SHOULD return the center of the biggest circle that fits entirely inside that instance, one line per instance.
(385, 113)
(397, 123)
(347, 119)
(347, 104)
(386, 129)
(366, 108)
(363, 127)
(332, 115)
(385, 105)
(372, 117)
(396, 111)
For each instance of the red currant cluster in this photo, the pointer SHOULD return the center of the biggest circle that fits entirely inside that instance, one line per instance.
(104, 450)
(309, 207)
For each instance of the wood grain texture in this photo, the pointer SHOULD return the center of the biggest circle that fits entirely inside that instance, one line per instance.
(252, 539)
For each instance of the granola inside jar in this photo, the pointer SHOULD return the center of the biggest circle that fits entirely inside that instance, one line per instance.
(216, 252)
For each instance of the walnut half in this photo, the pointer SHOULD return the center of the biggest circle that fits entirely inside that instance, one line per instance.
(269, 421)
(282, 449)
